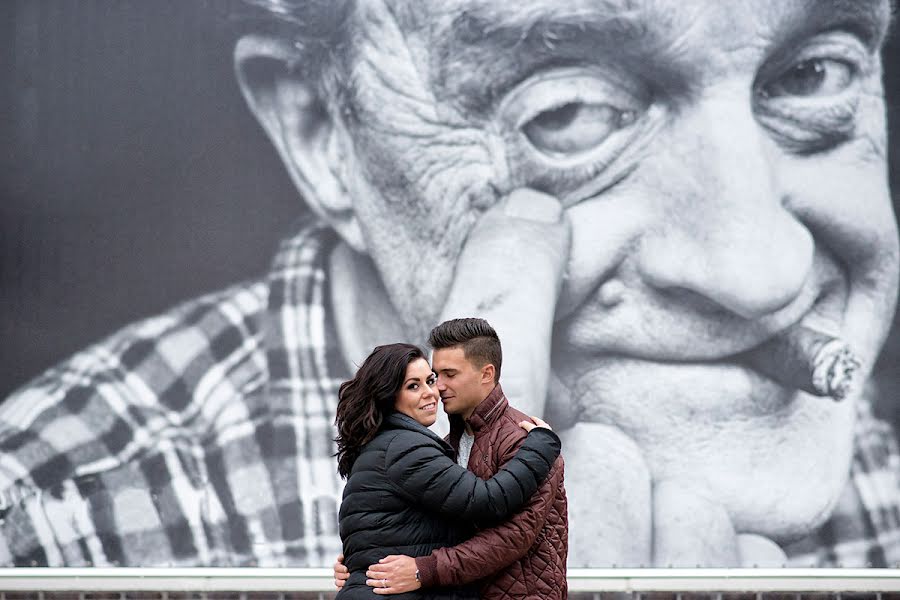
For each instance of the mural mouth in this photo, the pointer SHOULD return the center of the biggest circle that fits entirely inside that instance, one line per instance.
(808, 356)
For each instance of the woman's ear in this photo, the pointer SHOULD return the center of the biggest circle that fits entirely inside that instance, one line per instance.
(301, 127)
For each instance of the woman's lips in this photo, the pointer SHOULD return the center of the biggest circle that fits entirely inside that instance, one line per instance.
(430, 407)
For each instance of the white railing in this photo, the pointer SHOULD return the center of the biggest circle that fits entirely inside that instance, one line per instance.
(127, 579)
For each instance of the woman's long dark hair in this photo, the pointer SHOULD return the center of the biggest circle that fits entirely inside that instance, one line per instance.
(365, 400)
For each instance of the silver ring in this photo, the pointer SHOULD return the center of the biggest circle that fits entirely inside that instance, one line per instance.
(384, 583)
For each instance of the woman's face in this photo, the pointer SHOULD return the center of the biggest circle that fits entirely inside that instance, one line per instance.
(418, 396)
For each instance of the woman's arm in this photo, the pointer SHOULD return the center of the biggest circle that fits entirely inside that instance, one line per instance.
(425, 475)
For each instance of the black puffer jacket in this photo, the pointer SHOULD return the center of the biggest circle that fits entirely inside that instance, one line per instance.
(407, 495)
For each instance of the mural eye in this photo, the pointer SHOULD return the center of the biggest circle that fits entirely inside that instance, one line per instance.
(814, 77)
(574, 114)
(575, 127)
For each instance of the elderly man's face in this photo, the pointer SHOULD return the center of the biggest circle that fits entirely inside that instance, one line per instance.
(723, 167)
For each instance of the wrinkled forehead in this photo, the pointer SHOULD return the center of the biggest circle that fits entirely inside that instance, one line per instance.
(450, 24)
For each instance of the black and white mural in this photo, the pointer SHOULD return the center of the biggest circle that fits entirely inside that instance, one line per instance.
(676, 214)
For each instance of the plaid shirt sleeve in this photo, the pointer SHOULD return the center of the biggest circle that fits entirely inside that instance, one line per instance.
(105, 460)
(201, 437)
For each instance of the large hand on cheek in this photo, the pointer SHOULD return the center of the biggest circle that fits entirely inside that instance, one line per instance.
(509, 273)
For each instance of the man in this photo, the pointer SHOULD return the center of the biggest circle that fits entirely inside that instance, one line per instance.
(524, 557)
(638, 195)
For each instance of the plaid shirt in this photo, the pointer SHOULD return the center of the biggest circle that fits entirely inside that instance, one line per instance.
(204, 437)
(201, 437)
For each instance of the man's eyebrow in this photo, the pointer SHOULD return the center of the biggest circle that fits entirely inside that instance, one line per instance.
(489, 42)
(491, 24)
(868, 19)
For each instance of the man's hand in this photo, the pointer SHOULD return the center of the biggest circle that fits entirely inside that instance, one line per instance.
(619, 516)
(609, 489)
(510, 272)
(690, 530)
(341, 572)
(393, 574)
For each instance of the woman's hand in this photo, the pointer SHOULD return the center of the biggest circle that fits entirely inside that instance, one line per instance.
(341, 572)
(528, 425)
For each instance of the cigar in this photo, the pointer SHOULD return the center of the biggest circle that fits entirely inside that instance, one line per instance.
(807, 359)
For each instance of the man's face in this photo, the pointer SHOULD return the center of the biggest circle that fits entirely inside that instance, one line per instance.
(723, 168)
(459, 382)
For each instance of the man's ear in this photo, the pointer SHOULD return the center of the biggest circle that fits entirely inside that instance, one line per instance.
(301, 128)
(487, 373)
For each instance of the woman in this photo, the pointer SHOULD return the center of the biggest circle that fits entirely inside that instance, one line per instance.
(405, 494)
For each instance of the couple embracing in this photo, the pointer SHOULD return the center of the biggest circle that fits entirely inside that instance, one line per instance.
(479, 514)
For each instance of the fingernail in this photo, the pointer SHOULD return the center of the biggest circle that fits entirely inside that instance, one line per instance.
(526, 203)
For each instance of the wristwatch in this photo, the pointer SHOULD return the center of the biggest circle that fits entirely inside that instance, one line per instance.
(417, 576)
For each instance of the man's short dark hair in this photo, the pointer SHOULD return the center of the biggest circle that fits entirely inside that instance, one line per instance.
(476, 337)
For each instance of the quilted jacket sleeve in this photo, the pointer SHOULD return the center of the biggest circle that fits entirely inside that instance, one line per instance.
(425, 475)
(491, 550)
